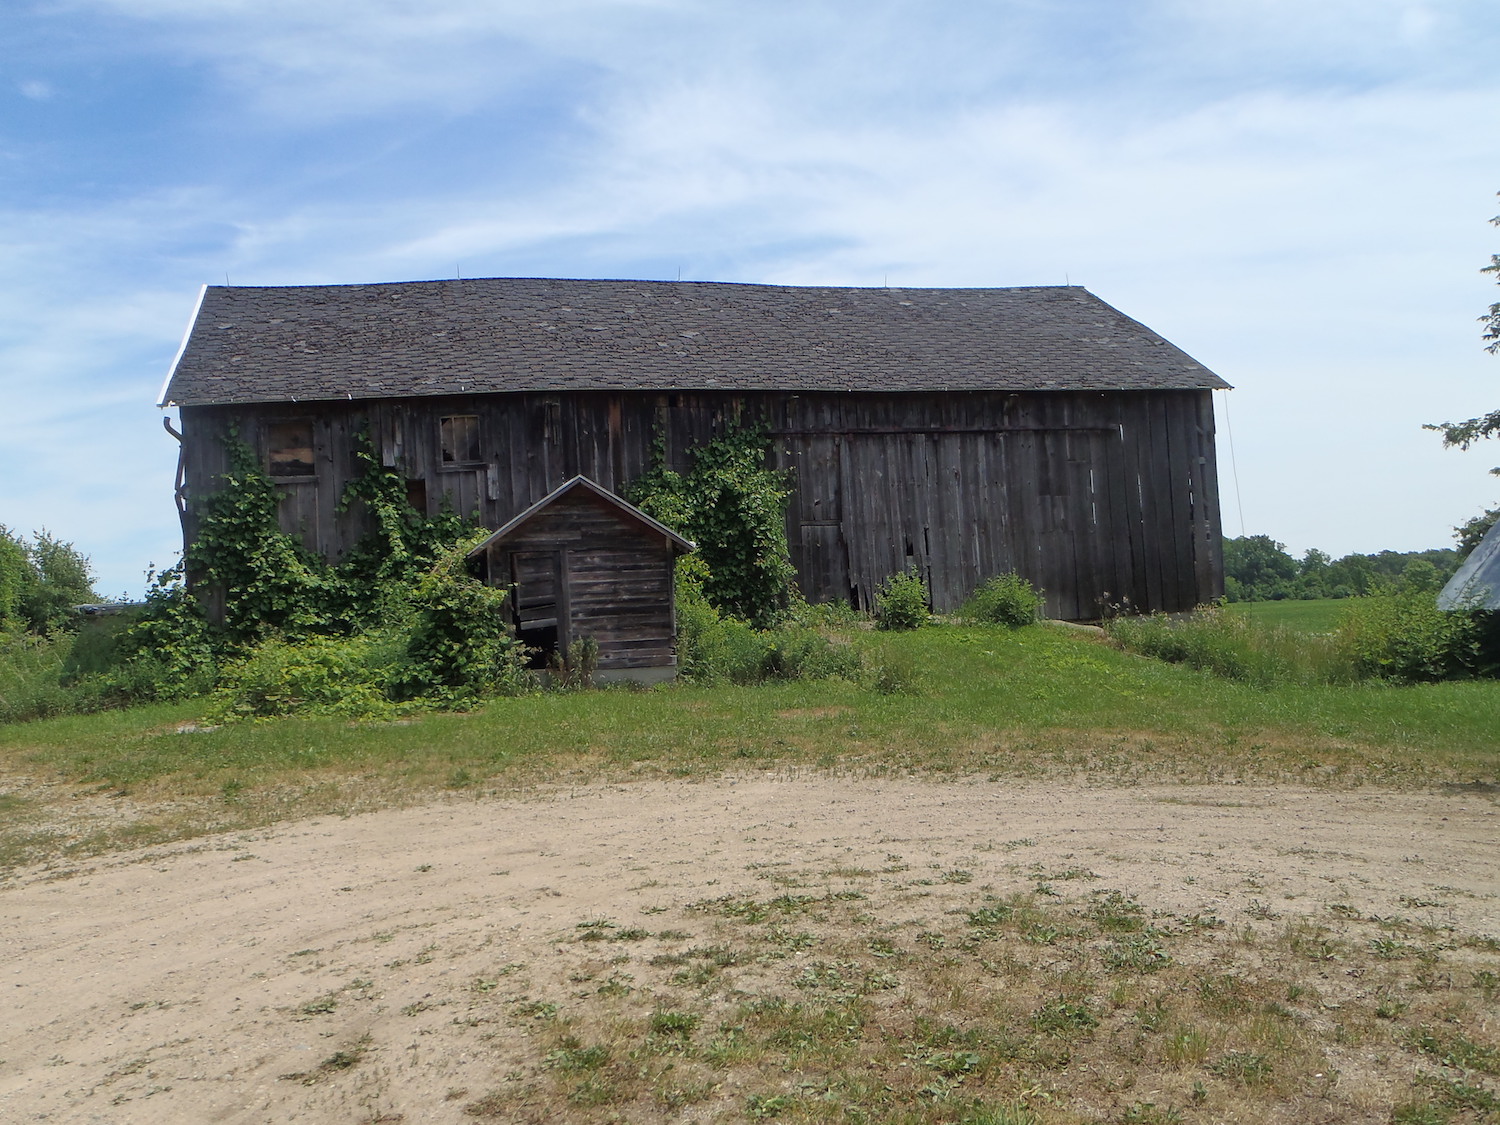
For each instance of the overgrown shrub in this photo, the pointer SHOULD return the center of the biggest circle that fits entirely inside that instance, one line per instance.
(444, 645)
(712, 648)
(41, 581)
(1005, 599)
(167, 650)
(336, 676)
(1406, 638)
(457, 647)
(901, 601)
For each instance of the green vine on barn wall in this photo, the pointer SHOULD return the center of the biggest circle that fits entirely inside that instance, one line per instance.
(734, 508)
(272, 584)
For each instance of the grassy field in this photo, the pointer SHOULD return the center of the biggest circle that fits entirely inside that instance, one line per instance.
(1320, 615)
(1029, 703)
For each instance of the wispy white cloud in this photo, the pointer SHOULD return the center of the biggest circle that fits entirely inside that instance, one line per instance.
(1296, 193)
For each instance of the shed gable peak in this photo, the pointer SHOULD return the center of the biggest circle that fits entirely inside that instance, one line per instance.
(583, 490)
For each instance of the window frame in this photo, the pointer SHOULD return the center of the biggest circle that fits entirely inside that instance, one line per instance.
(269, 428)
(478, 461)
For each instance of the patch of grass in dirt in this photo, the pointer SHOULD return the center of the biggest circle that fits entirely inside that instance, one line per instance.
(342, 1060)
(873, 1015)
(1027, 703)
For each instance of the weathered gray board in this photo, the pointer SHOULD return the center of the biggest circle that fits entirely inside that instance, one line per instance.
(1097, 497)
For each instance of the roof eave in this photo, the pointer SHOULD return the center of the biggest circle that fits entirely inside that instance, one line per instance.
(161, 399)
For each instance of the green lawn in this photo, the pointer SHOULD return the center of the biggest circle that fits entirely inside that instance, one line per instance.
(1029, 703)
(1320, 615)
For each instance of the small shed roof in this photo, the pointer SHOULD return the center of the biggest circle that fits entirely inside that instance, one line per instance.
(405, 339)
(1477, 581)
(588, 487)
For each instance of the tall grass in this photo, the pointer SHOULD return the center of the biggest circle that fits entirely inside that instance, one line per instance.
(715, 649)
(1237, 647)
(31, 673)
(1398, 637)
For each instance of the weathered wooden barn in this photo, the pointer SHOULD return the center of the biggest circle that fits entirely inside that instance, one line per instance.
(581, 564)
(965, 432)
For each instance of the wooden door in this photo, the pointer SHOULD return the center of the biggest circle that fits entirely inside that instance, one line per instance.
(539, 598)
(816, 537)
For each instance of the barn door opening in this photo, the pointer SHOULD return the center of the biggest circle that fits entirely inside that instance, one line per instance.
(539, 603)
(819, 551)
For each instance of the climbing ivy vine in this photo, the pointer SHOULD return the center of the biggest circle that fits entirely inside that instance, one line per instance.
(734, 508)
(271, 584)
(398, 622)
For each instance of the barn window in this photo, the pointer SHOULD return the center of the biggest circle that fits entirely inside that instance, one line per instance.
(289, 450)
(459, 439)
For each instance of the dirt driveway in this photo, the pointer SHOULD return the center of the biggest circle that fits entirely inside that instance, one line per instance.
(221, 980)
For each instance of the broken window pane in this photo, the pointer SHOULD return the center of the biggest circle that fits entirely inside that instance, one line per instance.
(460, 438)
(289, 449)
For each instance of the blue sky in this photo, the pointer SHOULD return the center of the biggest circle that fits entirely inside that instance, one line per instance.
(1296, 193)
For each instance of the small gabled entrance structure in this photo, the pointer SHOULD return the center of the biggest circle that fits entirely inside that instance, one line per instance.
(581, 563)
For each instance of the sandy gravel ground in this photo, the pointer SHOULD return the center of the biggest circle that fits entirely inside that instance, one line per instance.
(197, 983)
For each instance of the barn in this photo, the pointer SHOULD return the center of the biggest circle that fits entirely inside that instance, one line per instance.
(962, 432)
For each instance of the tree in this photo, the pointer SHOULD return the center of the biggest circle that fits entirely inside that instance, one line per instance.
(1465, 434)
(14, 572)
(41, 581)
(1471, 531)
(1257, 568)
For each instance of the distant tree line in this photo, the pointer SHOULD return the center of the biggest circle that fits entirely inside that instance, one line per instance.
(1258, 569)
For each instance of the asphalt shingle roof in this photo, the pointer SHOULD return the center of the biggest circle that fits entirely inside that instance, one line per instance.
(308, 342)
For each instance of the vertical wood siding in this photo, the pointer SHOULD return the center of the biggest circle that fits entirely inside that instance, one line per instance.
(1097, 497)
(581, 566)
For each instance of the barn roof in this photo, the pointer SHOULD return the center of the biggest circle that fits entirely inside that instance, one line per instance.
(588, 488)
(309, 342)
(1476, 584)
